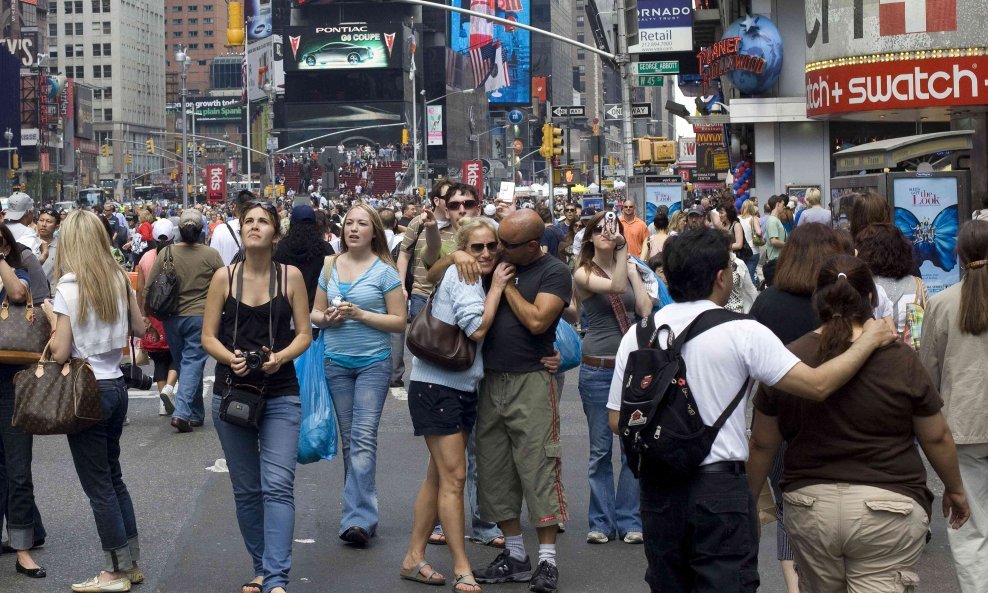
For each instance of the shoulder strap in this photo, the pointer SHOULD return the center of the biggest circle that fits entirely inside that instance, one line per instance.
(646, 331)
(232, 234)
(732, 406)
(920, 292)
(707, 320)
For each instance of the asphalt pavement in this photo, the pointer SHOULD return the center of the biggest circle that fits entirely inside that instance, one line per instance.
(191, 543)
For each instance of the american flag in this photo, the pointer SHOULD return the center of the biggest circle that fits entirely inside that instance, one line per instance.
(480, 61)
(243, 78)
(900, 17)
(510, 5)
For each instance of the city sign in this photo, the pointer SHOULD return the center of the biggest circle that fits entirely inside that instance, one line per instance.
(638, 111)
(515, 116)
(569, 111)
(667, 67)
(664, 26)
(649, 80)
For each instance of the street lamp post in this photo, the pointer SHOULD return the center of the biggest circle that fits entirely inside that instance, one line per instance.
(9, 137)
(182, 58)
(269, 91)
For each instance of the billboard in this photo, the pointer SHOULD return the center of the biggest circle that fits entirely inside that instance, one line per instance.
(499, 56)
(83, 111)
(216, 182)
(926, 212)
(265, 66)
(258, 15)
(473, 174)
(211, 109)
(664, 26)
(434, 125)
(344, 47)
(668, 194)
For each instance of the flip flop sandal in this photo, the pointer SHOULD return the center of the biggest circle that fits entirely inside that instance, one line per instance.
(437, 539)
(496, 542)
(466, 580)
(253, 587)
(415, 574)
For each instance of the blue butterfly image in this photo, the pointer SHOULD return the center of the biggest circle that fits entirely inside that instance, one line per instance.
(934, 242)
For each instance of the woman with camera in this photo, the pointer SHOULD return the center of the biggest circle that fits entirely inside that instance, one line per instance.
(194, 264)
(93, 313)
(255, 325)
(17, 505)
(359, 302)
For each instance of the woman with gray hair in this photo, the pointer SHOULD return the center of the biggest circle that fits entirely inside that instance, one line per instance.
(814, 212)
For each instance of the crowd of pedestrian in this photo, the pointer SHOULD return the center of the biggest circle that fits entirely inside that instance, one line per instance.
(854, 368)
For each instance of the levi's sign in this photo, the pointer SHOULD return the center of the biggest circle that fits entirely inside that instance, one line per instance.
(936, 82)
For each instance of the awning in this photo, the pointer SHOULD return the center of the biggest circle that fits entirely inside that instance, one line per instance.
(876, 156)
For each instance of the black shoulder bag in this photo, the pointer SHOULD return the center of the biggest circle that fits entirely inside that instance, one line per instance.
(243, 404)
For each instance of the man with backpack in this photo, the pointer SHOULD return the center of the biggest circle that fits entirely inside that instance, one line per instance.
(679, 381)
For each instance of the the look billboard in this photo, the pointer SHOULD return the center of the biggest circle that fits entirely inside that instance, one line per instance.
(344, 47)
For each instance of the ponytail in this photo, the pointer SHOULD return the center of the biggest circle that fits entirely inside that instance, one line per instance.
(844, 296)
(972, 248)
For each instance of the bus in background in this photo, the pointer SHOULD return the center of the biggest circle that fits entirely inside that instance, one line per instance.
(148, 193)
(94, 196)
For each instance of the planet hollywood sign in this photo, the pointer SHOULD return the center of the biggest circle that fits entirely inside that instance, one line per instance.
(887, 84)
(723, 57)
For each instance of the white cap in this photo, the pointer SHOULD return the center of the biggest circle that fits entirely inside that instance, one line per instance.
(18, 205)
(163, 227)
(489, 210)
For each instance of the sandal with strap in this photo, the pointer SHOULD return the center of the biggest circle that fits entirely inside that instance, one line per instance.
(252, 587)
(415, 574)
(466, 580)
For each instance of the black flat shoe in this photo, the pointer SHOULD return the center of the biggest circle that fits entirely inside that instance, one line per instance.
(357, 536)
(195, 423)
(181, 424)
(34, 573)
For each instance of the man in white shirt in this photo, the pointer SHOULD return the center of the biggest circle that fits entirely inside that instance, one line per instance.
(20, 215)
(701, 532)
(226, 237)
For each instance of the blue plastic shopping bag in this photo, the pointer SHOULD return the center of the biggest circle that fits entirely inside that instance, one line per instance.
(568, 345)
(317, 437)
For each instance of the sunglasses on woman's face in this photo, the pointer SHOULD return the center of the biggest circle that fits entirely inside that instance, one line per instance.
(598, 230)
(478, 248)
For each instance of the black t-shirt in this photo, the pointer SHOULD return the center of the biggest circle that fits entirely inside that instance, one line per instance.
(310, 267)
(551, 239)
(509, 346)
(863, 433)
(789, 316)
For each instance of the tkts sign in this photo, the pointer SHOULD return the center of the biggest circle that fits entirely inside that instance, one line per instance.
(216, 183)
(936, 82)
(473, 174)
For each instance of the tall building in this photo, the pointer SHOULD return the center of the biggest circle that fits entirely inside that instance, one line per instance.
(117, 47)
(200, 28)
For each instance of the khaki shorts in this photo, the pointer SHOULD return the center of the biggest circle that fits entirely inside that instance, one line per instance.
(518, 449)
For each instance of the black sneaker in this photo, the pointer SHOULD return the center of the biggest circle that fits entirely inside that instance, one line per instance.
(545, 579)
(505, 569)
(356, 536)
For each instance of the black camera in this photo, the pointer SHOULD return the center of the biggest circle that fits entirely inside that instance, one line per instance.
(255, 359)
(135, 377)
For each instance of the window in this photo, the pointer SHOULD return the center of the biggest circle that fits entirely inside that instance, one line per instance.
(193, 46)
(193, 21)
(107, 71)
(193, 33)
(176, 21)
(53, 54)
(176, 9)
(193, 8)
(69, 51)
(208, 33)
(97, 94)
(80, 50)
(78, 29)
(107, 92)
(580, 20)
(97, 27)
(69, 29)
(106, 28)
(96, 5)
(107, 115)
(97, 72)
(225, 73)
(581, 55)
(208, 20)
(106, 49)
(176, 34)
(68, 8)
(581, 37)
(208, 46)
(106, 5)
(207, 8)
(78, 6)
(97, 50)
(53, 29)
(80, 72)
(201, 62)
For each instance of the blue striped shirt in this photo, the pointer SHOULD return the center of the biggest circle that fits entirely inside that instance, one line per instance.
(462, 304)
(353, 344)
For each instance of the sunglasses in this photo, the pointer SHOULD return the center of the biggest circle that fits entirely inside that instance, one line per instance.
(464, 205)
(507, 245)
(478, 248)
(629, 207)
(571, 210)
(268, 206)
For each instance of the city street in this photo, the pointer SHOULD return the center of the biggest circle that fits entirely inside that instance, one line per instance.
(191, 543)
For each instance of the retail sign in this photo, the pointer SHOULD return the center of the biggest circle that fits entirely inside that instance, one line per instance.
(898, 84)
(749, 54)
(664, 26)
(216, 182)
(473, 174)
(687, 151)
(30, 136)
(710, 150)
(211, 109)
(434, 125)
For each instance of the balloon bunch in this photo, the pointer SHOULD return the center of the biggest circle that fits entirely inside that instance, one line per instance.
(742, 176)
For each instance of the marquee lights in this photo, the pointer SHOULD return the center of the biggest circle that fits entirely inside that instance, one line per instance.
(897, 57)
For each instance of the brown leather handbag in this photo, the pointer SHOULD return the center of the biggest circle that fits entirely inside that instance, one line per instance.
(53, 398)
(443, 344)
(24, 331)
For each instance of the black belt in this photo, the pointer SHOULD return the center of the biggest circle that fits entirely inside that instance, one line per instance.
(722, 467)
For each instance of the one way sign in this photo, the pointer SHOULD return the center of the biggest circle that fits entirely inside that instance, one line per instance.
(638, 110)
(569, 111)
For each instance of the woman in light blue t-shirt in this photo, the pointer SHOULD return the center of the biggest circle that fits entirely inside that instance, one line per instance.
(359, 302)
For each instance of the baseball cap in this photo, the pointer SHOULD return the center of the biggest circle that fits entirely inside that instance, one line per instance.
(303, 213)
(489, 210)
(190, 216)
(18, 205)
(696, 209)
(163, 228)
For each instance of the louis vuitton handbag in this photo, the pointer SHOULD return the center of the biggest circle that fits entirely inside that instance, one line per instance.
(53, 398)
(24, 331)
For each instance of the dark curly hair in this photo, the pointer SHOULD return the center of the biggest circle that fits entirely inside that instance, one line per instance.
(885, 250)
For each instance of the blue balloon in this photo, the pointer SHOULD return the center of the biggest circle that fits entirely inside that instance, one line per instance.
(737, 185)
(745, 195)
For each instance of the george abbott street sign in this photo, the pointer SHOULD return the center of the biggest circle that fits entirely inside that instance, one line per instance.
(638, 111)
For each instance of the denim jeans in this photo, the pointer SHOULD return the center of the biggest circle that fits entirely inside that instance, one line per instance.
(184, 335)
(16, 485)
(416, 303)
(96, 455)
(752, 263)
(612, 512)
(358, 398)
(262, 470)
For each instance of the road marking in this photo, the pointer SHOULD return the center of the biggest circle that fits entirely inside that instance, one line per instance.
(153, 393)
(399, 393)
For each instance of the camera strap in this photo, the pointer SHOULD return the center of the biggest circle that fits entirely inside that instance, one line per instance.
(236, 316)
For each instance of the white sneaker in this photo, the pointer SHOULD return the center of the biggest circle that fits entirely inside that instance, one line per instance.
(167, 397)
(161, 409)
(634, 537)
(597, 537)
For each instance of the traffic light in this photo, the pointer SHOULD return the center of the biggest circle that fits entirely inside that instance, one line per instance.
(404, 136)
(546, 147)
(235, 31)
(15, 161)
(129, 159)
(106, 150)
(556, 142)
(150, 145)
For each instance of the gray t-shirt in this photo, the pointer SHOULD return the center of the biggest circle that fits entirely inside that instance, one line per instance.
(604, 333)
(814, 214)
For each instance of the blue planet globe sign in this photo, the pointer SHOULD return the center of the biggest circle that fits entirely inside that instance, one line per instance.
(759, 39)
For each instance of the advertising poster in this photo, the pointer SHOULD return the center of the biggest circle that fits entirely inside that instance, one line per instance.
(669, 195)
(211, 109)
(264, 67)
(926, 212)
(83, 112)
(344, 47)
(664, 26)
(434, 124)
(257, 13)
(500, 56)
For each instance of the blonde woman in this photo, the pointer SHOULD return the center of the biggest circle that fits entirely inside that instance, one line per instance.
(814, 212)
(358, 303)
(752, 228)
(93, 312)
(676, 222)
